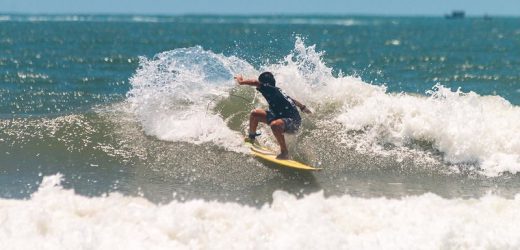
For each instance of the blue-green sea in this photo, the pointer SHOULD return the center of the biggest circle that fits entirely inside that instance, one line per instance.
(137, 119)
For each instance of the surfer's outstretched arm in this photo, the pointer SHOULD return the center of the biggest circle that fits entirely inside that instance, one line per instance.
(302, 107)
(252, 82)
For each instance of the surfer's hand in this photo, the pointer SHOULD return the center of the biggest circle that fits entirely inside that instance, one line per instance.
(239, 79)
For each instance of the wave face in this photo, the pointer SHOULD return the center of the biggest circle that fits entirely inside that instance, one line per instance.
(54, 218)
(185, 95)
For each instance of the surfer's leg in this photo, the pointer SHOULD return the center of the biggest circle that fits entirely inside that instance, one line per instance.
(278, 128)
(257, 115)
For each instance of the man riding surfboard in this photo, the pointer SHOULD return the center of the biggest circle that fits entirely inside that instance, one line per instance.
(282, 115)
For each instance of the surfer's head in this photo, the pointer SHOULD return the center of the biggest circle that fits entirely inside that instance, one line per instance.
(268, 78)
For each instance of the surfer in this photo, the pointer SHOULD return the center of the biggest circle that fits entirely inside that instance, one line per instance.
(282, 115)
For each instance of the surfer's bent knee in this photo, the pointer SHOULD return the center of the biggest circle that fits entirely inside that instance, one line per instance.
(277, 125)
(257, 112)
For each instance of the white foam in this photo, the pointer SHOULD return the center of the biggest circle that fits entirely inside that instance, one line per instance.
(54, 218)
(304, 76)
(145, 19)
(4, 18)
(173, 93)
(465, 127)
(285, 20)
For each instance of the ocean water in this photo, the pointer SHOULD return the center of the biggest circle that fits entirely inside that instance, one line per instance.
(126, 131)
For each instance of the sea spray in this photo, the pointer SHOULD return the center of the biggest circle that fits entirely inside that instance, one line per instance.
(170, 95)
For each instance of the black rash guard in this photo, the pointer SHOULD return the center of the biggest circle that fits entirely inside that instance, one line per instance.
(280, 104)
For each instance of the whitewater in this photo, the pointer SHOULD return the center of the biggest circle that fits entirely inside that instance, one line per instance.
(172, 95)
(55, 218)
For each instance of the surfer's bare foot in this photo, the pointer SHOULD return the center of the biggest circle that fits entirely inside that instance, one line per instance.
(283, 156)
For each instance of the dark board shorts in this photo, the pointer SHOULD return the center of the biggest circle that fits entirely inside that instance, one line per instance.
(291, 125)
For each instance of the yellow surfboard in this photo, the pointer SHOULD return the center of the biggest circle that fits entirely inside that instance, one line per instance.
(270, 156)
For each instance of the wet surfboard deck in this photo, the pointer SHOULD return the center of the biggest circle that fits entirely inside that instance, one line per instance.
(270, 156)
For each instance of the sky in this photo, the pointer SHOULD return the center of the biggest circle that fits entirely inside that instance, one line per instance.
(248, 7)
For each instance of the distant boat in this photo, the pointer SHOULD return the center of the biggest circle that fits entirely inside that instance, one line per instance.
(456, 14)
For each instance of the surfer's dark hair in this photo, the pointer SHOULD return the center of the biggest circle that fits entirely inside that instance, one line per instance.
(267, 77)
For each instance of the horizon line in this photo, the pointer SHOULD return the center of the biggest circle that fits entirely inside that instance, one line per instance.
(328, 14)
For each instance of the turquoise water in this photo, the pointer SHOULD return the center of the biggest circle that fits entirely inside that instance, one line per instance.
(108, 99)
(53, 64)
